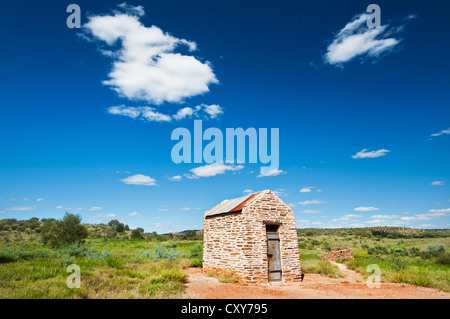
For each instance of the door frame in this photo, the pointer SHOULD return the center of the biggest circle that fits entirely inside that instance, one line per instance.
(275, 230)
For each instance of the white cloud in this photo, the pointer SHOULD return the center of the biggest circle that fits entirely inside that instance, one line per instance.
(139, 179)
(189, 208)
(163, 209)
(365, 209)
(432, 214)
(68, 208)
(132, 10)
(346, 218)
(21, 208)
(183, 113)
(164, 225)
(447, 131)
(267, 171)
(39, 199)
(146, 66)
(214, 169)
(123, 110)
(443, 210)
(26, 198)
(384, 216)
(314, 201)
(150, 114)
(310, 211)
(248, 191)
(213, 110)
(280, 192)
(175, 178)
(142, 112)
(306, 189)
(105, 216)
(135, 214)
(95, 208)
(371, 154)
(437, 183)
(356, 40)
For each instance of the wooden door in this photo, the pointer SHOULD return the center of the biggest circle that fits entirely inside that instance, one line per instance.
(273, 254)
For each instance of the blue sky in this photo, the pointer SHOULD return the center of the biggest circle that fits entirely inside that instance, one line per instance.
(363, 114)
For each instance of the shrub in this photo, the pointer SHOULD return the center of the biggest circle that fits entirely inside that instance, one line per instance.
(228, 277)
(414, 251)
(196, 263)
(160, 252)
(172, 254)
(196, 251)
(443, 259)
(173, 274)
(137, 233)
(398, 263)
(324, 267)
(114, 263)
(66, 260)
(377, 250)
(67, 231)
(212, 273)
(436, 249)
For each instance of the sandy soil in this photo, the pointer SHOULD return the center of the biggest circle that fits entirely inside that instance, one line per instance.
(351, 286)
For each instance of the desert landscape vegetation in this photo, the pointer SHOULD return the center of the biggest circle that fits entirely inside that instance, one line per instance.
(119, 262)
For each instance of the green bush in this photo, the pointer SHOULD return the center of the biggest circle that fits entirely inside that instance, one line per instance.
(114, 263)
(196, 262)
(196, 251)
(172, 254)
(160, 252)
(443, 259)
(67, 231)
(173, 274)
(324, 267)
(228, 277)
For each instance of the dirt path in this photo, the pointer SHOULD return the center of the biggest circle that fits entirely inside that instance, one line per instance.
(314, 286)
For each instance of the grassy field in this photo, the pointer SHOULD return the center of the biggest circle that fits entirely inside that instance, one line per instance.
(110, 268)
(114, 265)
(419, 261)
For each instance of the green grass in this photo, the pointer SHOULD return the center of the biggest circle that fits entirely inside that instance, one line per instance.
(411, 270)
(312, 263)
(414, 267)
(228, 277)
(111, 268)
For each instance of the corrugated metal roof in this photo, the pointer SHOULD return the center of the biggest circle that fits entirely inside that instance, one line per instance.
(231, 205)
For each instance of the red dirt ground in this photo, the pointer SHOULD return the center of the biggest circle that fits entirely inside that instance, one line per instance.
(351, 286)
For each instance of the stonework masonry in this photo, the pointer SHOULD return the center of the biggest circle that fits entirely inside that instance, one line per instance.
(237, 241)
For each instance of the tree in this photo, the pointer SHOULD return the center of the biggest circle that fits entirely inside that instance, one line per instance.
(137, 233)
(120, 228)
(113, 223)
(67, 231)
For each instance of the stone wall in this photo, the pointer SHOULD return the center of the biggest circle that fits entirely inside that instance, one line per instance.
(237, 241)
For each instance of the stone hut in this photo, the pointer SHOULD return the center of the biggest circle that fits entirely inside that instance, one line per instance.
(254, 236)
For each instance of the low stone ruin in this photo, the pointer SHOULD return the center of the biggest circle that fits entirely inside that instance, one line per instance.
(342, 253)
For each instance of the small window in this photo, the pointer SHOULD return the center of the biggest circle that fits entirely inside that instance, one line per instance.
(271, 228)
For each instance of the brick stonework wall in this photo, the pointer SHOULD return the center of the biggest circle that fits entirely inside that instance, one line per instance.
(237, 241)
